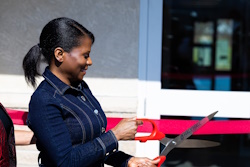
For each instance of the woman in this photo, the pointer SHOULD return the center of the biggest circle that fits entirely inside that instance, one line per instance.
(9, 138)
(66, 118)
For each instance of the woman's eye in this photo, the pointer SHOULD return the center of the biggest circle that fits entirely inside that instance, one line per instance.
(86, 56)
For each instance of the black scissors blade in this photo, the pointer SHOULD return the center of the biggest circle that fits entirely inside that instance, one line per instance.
(172, 143)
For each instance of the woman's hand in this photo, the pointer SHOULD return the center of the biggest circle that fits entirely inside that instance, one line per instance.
(126, 128)
(142, 162)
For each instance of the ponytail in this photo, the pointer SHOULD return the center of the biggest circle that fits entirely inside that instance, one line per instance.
(60, 32)
(31, 63)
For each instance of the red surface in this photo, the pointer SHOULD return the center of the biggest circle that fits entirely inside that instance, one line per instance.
(167, 126)
(18, 117)
(174, 126)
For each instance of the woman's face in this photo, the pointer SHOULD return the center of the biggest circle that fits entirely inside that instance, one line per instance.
(77, 61)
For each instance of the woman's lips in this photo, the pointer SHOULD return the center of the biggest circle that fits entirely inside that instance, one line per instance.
(83, 70)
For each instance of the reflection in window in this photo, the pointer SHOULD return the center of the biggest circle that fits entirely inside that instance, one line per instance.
(203, 33)
(202, 41)
(202, 83)
(202, 56)
(222, 83)
(205, 46)
(223, 55)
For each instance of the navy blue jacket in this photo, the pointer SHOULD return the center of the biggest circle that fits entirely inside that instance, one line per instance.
(70, 126)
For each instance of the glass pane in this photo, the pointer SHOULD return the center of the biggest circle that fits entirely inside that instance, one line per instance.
(202, 41)
(233, 151)
(202, 83)
(202, 56)
(222, 83)
(203, 32)
(223, 55)
(229, 150)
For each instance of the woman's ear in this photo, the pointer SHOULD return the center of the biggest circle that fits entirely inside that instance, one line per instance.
(59, 54)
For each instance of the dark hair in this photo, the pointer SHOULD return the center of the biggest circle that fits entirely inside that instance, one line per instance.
(61, 32)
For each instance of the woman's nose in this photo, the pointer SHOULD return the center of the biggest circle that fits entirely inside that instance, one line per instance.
(89, 61)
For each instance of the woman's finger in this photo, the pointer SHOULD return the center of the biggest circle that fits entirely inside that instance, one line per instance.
(139, 122)
(156, 161)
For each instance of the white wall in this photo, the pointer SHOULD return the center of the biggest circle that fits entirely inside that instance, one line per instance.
(115, 95)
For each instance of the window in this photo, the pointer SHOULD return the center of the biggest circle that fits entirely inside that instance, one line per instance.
(205, 45)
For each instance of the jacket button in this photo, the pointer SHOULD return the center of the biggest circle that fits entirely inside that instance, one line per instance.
(96, 111)
(83, 98)
(103, 129)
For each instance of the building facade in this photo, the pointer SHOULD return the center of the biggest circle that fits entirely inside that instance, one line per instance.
(115, 24)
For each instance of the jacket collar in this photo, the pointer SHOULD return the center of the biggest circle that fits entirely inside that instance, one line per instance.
(60, 86)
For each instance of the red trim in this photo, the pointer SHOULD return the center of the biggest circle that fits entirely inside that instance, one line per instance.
(167, 126)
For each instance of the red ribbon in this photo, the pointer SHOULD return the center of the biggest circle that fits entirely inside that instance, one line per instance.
(18, 117)
(167, 126)
(175, 126)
